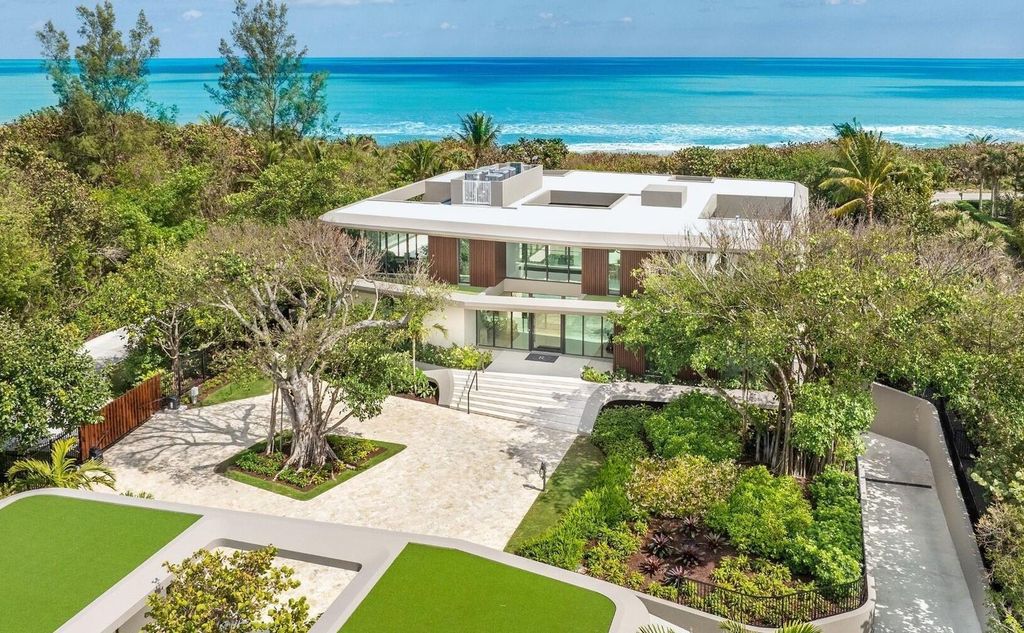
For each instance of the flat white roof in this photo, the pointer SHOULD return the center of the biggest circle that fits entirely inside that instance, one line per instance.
(628, 224)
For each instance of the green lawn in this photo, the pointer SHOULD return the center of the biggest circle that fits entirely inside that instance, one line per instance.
(58, 554)
(576, 474)
(239, 389)
(448, 591)
(390, 450)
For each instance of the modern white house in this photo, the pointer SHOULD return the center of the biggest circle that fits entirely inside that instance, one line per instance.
(539, 258)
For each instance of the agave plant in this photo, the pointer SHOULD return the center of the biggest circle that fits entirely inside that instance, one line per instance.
(714, 541)
(675, 575)
(690, 525)
(660, 545)
(689, 556)
(651, 565)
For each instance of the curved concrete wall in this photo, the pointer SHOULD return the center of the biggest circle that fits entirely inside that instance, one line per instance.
(915, 421)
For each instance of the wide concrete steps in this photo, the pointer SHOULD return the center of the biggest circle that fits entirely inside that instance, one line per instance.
(546, 401)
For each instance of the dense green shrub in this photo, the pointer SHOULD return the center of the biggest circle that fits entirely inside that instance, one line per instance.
(696, 424)
(604, 562)
(456, 356)
(620, 431)
(1001, 532)
(762, 514)
(563, 545)
(688, 485)
(831, 549)
(353, 451)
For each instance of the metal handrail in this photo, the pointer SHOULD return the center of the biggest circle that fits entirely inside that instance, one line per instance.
(474, 383)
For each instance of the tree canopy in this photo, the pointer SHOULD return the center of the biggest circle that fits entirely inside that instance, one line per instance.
(262, 81)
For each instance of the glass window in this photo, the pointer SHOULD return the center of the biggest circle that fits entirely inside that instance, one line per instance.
(574, 334)
(502, 329)
(614, 273)
(521, 330)
(484, 328)
(463, 261)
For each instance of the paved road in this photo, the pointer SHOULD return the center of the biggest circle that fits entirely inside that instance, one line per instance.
(920, 585)
(107, 349)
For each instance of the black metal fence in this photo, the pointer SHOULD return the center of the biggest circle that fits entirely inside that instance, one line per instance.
(964, 455)
(774, 611)
(41, 450)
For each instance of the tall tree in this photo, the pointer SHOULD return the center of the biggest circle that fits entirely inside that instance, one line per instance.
(865, 170)
(262, 82)
(46, 383)
(299, 294)
(110, 71)
(980, 144)
(480, 133)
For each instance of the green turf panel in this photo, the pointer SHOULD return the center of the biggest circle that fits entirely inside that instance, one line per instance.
(449, 591)
(58, 554)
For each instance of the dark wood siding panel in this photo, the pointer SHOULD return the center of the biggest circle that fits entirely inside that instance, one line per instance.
(633, 362)
(443, 254)
(486, 263)
(631, 261)
(595, 271)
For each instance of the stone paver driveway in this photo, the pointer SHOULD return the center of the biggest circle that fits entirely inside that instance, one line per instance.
(461, 476)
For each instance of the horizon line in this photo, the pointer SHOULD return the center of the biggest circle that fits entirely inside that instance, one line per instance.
(596, 57)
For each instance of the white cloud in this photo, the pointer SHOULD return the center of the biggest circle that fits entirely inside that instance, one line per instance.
(628, 19)
(191, 14)
(545, 15)
(447, 26)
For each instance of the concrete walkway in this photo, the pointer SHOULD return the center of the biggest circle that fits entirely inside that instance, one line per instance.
(461, 476)
(918, 578)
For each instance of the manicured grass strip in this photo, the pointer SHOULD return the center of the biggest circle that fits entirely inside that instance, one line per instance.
(576, 473)
(390, 450)
(58, 554)
(240, 389)
(448, 591)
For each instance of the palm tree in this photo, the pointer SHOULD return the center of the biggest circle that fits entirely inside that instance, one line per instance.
(60, 472)
(421, 160)
(848, 129)
(980, 144)
(479, 133)
(865, 170)
(221, 119)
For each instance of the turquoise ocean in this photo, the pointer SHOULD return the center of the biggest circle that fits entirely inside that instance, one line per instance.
(652, 104)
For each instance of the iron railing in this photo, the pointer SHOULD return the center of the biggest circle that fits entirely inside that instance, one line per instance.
(773, 611)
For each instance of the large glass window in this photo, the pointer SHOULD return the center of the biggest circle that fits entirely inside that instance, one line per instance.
(546, 262)
(399, 250)
(576, 334)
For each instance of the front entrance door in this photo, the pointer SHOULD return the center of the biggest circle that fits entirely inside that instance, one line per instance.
(547, 332)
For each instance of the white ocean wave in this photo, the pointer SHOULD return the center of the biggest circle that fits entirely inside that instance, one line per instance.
(667, 137)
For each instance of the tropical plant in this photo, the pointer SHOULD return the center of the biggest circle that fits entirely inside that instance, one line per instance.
(262, 82)
(421, 160)
(479, 133)
(212, 591)
(979, 145)
(865, 170)
(218, 119)
(61, 471)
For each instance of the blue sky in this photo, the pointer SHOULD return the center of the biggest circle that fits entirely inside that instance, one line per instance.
(824, 28)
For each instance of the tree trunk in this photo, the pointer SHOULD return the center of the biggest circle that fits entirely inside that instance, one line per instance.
(869, 205)
(309, 438)
(272, 431)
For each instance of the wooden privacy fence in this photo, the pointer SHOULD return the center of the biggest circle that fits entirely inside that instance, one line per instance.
(121, 416)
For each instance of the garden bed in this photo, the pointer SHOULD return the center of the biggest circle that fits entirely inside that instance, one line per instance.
(267, 472)
(681, 512)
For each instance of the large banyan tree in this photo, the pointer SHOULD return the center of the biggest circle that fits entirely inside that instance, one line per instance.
(813, 313)
(301, 296)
